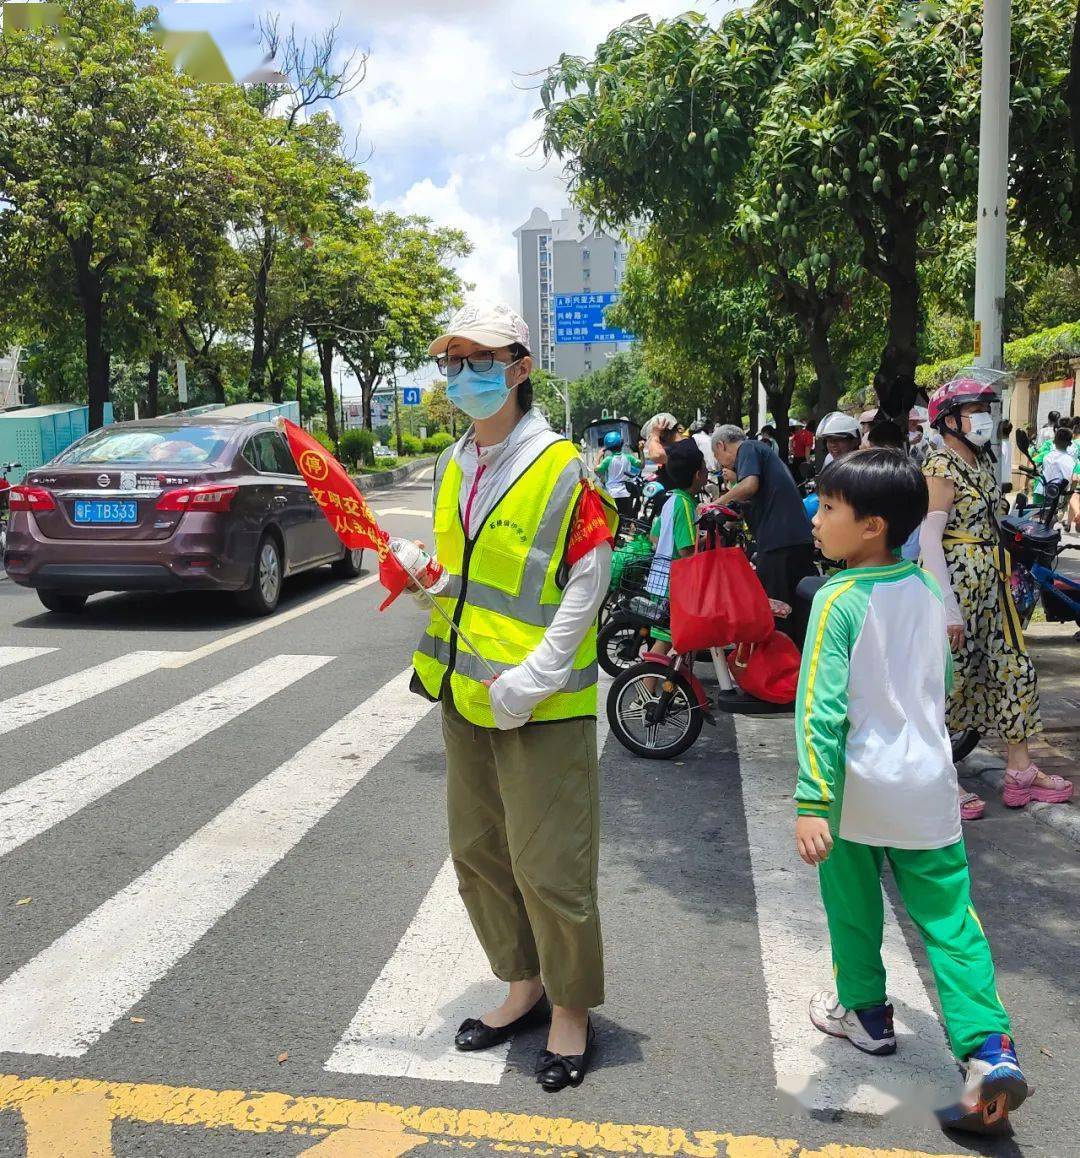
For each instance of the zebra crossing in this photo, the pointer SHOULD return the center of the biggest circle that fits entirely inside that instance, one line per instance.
(70, 995)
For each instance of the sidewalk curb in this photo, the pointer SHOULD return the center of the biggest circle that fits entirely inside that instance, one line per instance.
(1062, 818)
(366, 483)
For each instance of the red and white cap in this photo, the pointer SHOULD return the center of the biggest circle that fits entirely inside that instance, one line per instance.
(491, 324)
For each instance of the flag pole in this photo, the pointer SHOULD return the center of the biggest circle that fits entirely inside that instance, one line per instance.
(455, 628)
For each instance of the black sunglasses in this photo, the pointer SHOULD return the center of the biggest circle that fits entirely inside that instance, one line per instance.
(450, 366)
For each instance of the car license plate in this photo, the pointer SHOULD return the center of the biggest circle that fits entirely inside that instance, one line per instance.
(102, 511)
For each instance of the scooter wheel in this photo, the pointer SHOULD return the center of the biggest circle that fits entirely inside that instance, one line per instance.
(963, 744)
(632, 708)
(619, 643)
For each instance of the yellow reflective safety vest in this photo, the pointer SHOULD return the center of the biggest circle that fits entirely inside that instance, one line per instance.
(505, 585)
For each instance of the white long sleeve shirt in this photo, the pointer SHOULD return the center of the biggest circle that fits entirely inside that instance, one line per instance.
(488, 472)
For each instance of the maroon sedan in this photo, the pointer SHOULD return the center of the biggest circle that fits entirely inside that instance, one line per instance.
(170, 504)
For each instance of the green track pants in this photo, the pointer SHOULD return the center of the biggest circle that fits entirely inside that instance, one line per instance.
(936, 890)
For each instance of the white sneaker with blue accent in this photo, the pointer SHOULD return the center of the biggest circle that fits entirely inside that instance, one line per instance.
(994, 1085)
(869, 1030)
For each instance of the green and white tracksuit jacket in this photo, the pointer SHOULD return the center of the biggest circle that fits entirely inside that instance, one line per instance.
(875, 760)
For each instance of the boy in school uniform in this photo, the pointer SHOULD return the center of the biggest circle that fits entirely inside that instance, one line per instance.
(876, 782)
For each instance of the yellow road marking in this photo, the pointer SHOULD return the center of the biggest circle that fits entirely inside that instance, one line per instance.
(383, 1136)
(76, 1124)
(73, 1119)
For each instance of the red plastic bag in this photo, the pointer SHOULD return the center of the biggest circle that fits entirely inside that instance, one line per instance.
(769, 671)
(717, 599)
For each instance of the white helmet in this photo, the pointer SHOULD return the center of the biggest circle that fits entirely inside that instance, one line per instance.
(837, 424)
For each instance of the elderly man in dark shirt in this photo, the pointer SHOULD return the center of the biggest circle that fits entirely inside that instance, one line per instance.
(775, 513)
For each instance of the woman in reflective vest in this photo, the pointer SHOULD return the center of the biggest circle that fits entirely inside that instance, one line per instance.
(527, 545)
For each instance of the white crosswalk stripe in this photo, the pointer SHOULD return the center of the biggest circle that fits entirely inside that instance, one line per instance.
(437, 976)
(32, 807)
(60, 1002)
(795, 956)
(10, 655)
(36, 704)
(65, 998)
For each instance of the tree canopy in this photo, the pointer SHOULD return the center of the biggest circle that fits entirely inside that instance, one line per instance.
(827, 144)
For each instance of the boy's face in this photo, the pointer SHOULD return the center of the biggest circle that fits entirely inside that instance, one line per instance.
(839, 533)
(700, 479)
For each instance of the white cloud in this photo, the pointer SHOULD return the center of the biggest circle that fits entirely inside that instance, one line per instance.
(447, 109)
(448, 105)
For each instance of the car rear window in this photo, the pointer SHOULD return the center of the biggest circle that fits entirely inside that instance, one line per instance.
(147, 445)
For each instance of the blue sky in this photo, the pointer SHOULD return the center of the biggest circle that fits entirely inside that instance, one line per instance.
(446, 112)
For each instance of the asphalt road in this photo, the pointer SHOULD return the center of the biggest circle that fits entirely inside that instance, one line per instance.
(227, 926)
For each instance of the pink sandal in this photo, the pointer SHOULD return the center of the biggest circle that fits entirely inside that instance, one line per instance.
(1020, 788)
(971, 806)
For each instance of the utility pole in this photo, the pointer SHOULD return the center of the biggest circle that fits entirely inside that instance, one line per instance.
(991, 236)
(397, 417)
(300, 376)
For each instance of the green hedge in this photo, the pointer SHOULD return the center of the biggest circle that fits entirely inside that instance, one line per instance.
(437, 443)
(380, 465)
(357, 447)
(411, 445)
(1024, 356)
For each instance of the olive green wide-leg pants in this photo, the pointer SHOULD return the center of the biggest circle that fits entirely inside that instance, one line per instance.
(524, 815)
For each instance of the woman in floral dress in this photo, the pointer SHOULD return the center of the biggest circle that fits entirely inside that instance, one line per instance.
(995, 690)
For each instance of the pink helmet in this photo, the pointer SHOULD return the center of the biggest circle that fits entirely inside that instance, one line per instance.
(956, 393)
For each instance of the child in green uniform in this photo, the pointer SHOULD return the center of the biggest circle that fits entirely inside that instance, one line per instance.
(674, 532)
(615, 468)
(876, 782)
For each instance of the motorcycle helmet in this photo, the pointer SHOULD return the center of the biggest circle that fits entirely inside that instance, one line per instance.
(972, 385)
(653, 489)
(837, 424)
(613, 440)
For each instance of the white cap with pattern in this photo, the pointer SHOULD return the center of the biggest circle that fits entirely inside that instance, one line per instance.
(491, 324)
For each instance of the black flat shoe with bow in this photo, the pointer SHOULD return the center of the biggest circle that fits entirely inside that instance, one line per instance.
(475, 1034)
(556, 1071)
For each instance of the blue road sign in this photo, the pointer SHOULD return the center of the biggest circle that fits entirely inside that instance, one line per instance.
(410, 396)
(580, 318)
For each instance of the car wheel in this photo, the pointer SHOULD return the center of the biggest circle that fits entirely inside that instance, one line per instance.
(65, 602)
(348, 566)
(262, 596)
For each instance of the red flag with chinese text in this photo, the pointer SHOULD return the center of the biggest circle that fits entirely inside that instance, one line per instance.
(591, 526)
(343, 505)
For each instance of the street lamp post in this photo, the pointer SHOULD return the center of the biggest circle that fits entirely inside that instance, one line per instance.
(990, 242)
(991, 236)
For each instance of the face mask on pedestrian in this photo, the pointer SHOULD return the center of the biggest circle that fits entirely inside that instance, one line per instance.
(480, 393)
(980, 429)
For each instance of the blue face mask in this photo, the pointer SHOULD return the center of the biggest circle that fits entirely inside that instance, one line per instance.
(480, 394)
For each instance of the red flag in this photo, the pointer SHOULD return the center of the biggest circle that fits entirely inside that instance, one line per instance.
(344, 505)
(590, 527)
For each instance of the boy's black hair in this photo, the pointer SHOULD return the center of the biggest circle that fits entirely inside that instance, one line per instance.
(1063, 437)
(684, 460)
(886, 483)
